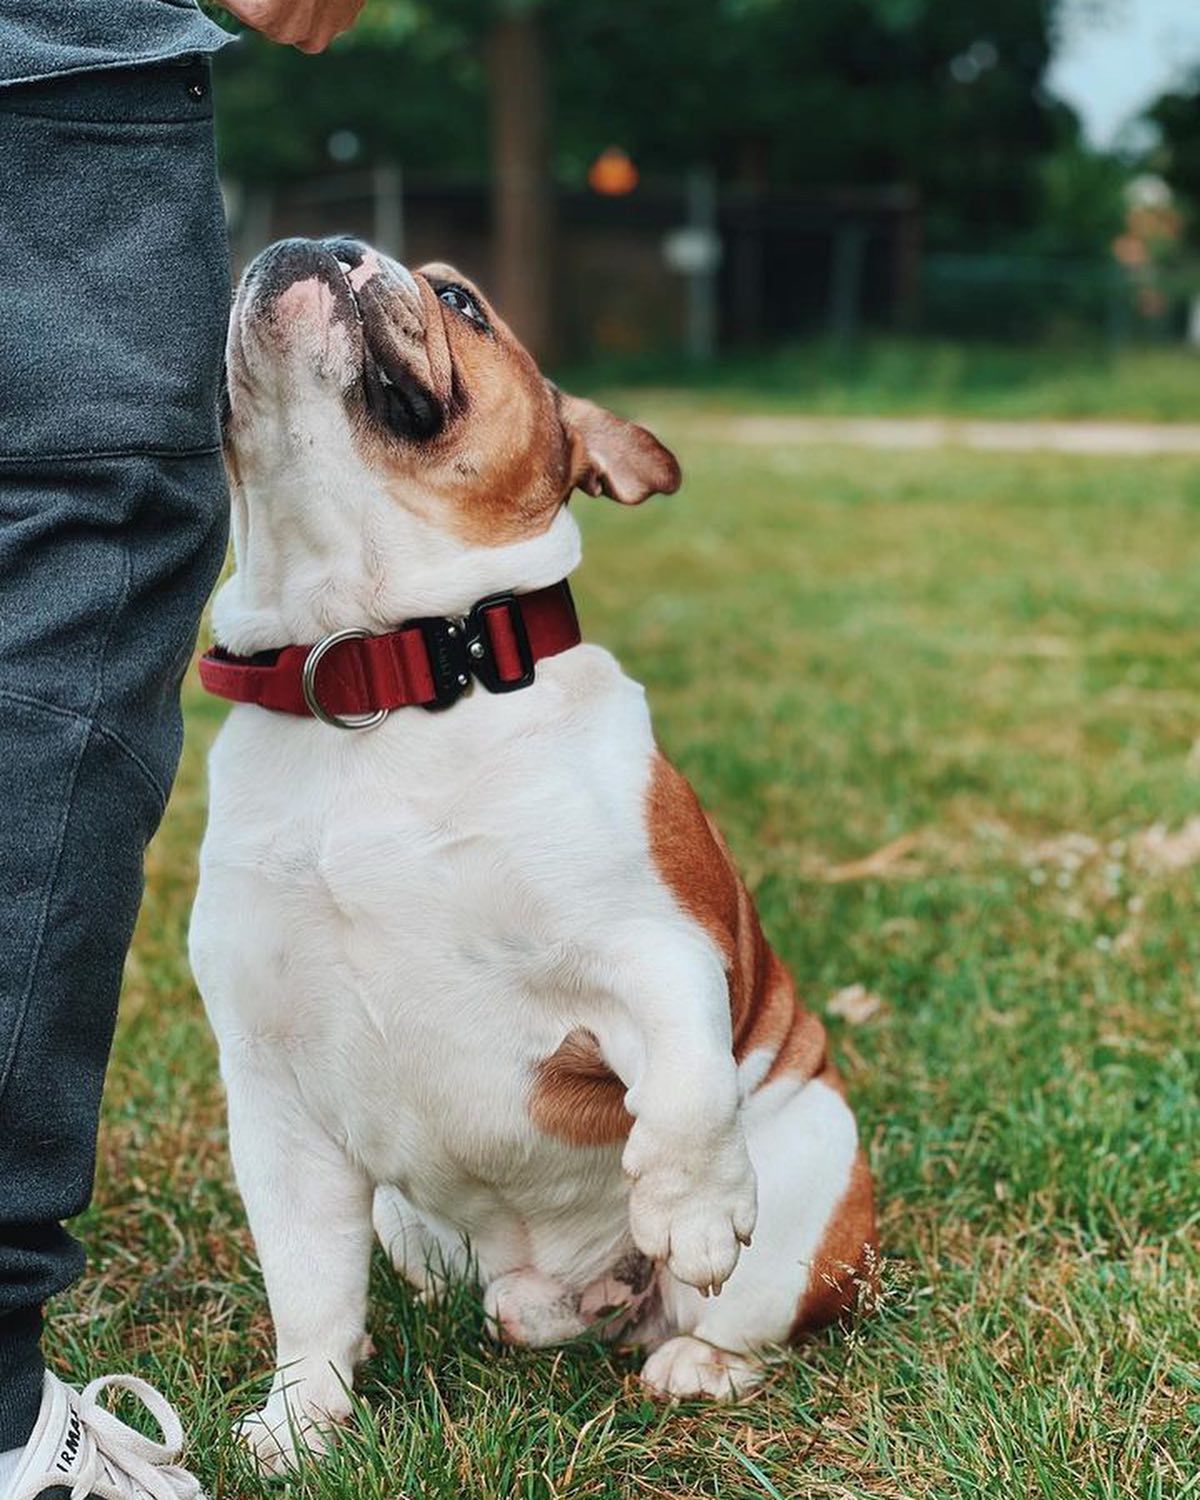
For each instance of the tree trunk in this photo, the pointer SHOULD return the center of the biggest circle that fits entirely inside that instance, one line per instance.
(522, 191)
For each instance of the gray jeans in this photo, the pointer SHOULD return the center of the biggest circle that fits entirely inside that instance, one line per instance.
(114, 288)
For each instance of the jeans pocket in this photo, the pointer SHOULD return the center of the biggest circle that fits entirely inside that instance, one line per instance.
(114, 277)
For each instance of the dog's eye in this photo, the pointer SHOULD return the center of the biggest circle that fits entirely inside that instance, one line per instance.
(461, 301)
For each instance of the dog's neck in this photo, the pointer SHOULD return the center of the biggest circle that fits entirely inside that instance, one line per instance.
(310, 563)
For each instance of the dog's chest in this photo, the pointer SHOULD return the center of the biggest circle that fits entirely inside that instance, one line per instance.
(423, 917)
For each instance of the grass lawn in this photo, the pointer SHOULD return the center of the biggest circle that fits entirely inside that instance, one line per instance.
(893, 377)
(989, 669)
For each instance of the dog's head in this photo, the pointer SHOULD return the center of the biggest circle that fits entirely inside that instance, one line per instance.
(339, 355)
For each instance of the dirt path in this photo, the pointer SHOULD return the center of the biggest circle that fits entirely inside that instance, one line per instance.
(1100, 438)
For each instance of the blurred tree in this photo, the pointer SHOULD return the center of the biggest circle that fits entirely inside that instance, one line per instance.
(522, 180)
(414, 83)
(940, 93)
(1081, 200)
(1177, 116)
(406, 88)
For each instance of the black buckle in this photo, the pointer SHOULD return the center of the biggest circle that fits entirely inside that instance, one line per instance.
(449, 665)
(482, 658)
(460, 649)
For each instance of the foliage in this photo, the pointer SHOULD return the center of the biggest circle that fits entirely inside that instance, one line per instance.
(940, 94)
(1081, 200)
(994, 655)
(408, 89)
(1177, 115)
(937, 94)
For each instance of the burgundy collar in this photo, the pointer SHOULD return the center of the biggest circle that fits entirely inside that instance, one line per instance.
(352, 679)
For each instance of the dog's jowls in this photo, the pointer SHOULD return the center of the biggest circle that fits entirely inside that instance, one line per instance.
(485, 981)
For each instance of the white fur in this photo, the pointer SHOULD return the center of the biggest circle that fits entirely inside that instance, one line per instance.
(393, 928)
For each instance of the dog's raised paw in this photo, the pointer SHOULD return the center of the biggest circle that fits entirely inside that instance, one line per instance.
(686, 1368)
(693, 1220)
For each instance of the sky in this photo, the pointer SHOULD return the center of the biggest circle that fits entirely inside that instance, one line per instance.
(1117, 57)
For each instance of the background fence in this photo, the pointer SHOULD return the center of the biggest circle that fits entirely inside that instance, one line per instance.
(787, 267)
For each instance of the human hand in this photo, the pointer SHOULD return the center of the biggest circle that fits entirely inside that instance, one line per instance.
(309, 25)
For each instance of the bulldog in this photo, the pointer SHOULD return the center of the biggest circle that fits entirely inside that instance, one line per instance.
(485, 981)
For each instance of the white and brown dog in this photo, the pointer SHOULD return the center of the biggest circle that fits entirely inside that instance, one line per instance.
(485, 979)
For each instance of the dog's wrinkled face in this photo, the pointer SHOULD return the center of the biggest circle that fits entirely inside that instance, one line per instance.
(333, 345)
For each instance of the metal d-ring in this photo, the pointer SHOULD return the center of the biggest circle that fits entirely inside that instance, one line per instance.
(308, 684)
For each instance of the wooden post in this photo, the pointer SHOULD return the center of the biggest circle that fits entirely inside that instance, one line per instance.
(250, 230)
(846, 283)
(388, 184)
(702, 310)
(908, 253)
(522, 190)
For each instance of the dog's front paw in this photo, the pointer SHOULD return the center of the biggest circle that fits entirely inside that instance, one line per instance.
(691, 1209)
(686, 1369)
(287, 1431)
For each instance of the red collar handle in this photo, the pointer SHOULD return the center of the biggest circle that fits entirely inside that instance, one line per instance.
(352, 680)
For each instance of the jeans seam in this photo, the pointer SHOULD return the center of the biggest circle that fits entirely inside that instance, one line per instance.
(162, 796)
(113, 736)
(106, 121)
(35, 960)
(85, 454)
(43, 914)
(33, 701)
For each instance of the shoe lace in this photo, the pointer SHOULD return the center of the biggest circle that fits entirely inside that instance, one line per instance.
(116, 1457)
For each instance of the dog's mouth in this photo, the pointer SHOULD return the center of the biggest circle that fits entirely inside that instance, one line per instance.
(374, 300)
(393, 395)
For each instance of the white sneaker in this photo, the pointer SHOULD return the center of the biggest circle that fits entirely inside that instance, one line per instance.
(80, 1449)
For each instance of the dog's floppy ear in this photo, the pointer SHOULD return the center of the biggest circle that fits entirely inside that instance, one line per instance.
(610, 456)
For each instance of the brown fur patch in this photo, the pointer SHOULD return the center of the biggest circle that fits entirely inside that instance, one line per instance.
(500, 468)
(613, 457)
(576, 1096)
(513, 447)
(844, 1268)
(694, 860)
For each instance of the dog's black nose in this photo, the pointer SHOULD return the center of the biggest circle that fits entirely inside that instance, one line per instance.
(347, 249)
(281, 265)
